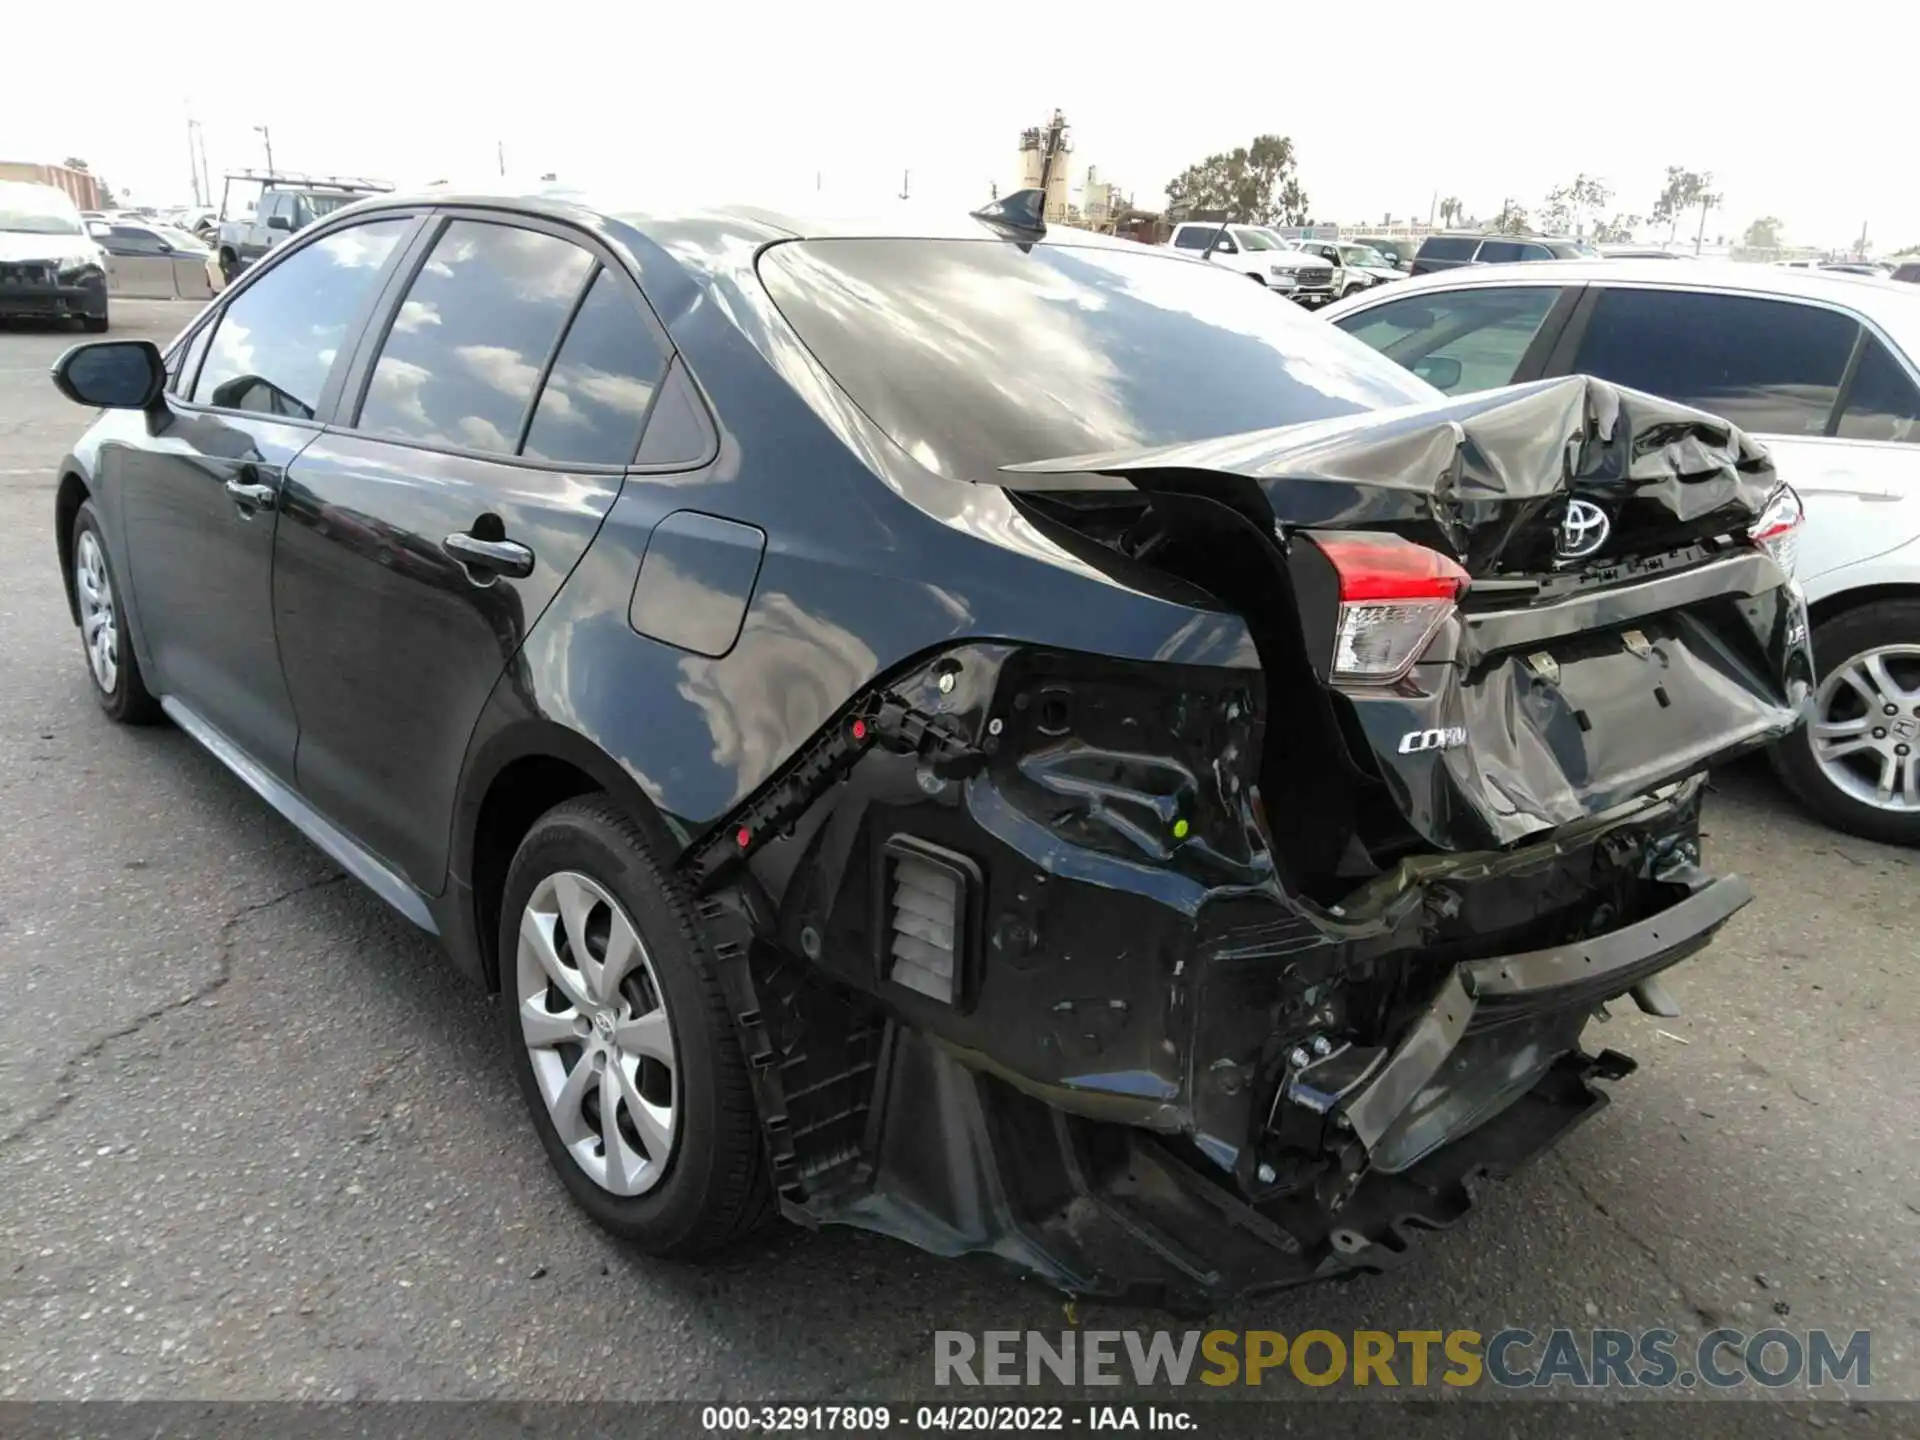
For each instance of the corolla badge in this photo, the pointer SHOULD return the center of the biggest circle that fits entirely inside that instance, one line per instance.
(1583, 530)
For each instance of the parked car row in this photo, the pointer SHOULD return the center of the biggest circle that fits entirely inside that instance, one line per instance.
(1824, 367)
(1311, 273)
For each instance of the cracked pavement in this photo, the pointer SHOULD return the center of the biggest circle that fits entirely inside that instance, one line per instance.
(259, 1142)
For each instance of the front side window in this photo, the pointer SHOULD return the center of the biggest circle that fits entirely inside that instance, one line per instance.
(595, 400)
(134, 240)
(1458, 341)
(1883, 403)
(1769, 366)
(1498, 252)
(276, 342)
(463, 357)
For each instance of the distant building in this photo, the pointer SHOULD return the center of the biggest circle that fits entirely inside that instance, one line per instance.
(83, 189)
(1033, 165)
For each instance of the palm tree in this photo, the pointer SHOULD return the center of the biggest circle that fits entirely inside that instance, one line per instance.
(1450, 210)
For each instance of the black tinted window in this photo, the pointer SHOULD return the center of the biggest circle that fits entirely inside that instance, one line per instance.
(1194, 237)
(132, 240)
(280, 336)
(1883, 404)
(977, 354)
(1459, 340)
(1767, 365)
(596, 397)
(1447, 247)
(465, 352)
(1498, 252)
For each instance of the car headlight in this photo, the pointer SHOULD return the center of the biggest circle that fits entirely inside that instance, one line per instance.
(78, 266)
(1280, 272)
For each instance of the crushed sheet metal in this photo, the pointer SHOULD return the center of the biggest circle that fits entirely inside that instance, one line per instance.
(1476, 468)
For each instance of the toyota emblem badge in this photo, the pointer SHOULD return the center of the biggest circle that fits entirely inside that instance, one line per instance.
(1583, 530)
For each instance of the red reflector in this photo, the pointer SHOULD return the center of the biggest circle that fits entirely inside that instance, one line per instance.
(1386, 567)
(743, 838)
(859, 729)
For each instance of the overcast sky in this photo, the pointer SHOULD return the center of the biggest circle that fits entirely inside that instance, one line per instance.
(1801, 112)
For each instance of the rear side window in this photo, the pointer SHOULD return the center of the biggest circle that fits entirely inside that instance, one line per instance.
(976, 354)
(1459, 341)
(276, 342)
(464, 355)
(595, 401)
(1499, 252)
(1883, 403)
(1447, 247)
(1769, 366)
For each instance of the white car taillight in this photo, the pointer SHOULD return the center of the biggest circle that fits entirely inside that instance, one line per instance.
(1777, 531)
(1394, 595)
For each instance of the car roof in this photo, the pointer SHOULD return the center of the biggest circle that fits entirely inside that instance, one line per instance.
(1893, 304)
(655, 218)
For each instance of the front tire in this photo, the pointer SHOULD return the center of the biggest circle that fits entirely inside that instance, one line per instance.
(622, 1040)
(111, 663)
(95, 324)
(1856, 764)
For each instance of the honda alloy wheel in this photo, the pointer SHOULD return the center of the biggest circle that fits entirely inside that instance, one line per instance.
(598, 1033)
(620, 1035)
(1866, 728)
(1857, 762)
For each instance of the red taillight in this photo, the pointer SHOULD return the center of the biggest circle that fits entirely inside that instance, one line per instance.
(1393, 595)
(1777, 531)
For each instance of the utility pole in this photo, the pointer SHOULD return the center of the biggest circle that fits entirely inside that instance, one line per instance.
(193, 163)
(1860, 245)
(906, 177)
(1433, 208)
(266, 136)
(500, 153)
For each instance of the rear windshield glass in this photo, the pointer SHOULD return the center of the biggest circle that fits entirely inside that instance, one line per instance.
(973, 354)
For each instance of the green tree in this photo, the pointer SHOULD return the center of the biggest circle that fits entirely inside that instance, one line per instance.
(1763, 234)
(1512, 219)
(1256, 184)
(1685, 191)
(1617, 230)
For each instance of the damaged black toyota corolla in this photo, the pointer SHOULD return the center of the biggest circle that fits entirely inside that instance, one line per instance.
(1003, 738)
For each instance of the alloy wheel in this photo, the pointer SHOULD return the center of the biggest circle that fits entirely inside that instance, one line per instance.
(1866, 728)
(98, 627)
(595, 1023)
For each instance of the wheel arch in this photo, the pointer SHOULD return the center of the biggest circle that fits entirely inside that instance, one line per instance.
(72, 494)
(512, 778)
(1843, 601)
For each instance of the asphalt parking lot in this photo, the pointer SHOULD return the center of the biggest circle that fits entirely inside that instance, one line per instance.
(259, 1142)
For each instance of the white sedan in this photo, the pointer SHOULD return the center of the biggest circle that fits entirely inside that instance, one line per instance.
(1825, 368)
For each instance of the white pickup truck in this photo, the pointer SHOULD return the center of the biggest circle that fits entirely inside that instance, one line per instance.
(1253, 251)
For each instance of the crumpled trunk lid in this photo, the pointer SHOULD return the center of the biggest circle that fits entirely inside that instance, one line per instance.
(1588, 661)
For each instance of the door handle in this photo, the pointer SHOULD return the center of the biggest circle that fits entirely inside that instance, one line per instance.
(250, 497)
(486, 559)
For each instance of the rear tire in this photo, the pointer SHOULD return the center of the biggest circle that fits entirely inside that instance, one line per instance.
(681, 1170)
(111, 663)
(1881, 637)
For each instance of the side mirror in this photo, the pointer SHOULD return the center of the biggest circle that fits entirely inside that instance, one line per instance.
(1440, 371)
(279, 222)
(165, 248)
(116, 374)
